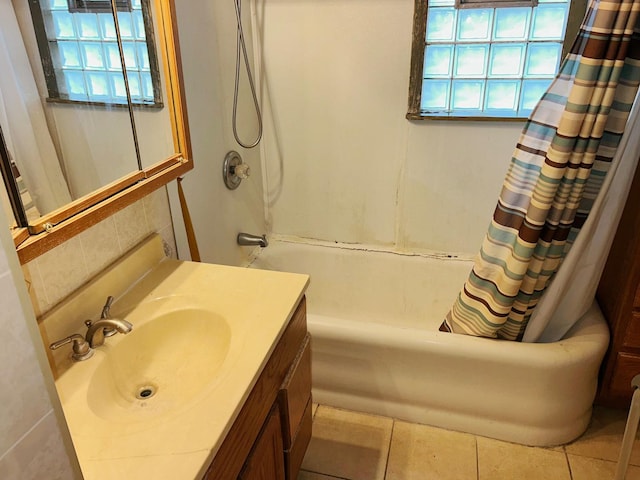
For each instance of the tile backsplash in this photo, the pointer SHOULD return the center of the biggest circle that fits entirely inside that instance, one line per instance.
(56, 274)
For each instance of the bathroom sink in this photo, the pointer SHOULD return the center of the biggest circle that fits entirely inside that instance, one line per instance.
(160, 367)
(158, 401)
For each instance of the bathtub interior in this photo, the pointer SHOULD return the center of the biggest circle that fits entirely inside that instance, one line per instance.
(405, 290)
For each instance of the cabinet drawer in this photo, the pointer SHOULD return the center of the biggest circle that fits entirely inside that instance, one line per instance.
(632, 333)
(265, 460)
(293, 457)
(627, 366)
(295, 392)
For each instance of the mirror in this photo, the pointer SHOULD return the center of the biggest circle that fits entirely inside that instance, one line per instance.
(92, 112)
(13, 210)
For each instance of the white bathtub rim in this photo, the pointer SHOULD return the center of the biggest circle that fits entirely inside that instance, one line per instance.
(276, 238)
(589, 337)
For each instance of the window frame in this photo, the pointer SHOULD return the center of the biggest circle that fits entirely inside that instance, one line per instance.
(49, 65)
(489, 3)
(577, 10)
(98, 6)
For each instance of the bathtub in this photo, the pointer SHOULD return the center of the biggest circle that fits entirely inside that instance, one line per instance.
(374, 318)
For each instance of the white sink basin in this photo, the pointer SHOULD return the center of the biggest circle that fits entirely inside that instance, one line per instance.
(160, 367)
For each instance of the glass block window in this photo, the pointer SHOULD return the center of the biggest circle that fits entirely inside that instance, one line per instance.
(491, 61)
(80, 54)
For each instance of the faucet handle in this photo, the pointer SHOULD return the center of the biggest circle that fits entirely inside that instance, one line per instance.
(81, 348)
(106, 308)
(242, 171)
(108, 332)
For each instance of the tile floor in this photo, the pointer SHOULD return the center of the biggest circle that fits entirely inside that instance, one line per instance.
(355, 446)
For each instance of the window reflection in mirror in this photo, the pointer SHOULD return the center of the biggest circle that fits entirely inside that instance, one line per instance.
(15, 195)
(80, 147)
(82, 63)
(64, 108)
(153, 126)
(62, 151)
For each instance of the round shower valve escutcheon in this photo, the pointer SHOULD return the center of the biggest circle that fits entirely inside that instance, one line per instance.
(234, 170)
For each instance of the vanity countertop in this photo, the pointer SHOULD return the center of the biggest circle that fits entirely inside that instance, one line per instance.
(204, 333)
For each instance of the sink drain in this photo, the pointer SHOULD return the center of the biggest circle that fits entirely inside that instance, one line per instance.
(146, 392)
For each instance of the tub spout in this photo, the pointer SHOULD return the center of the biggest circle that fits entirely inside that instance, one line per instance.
(247, 239)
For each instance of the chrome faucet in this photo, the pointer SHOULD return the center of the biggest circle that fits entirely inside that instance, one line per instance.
(247, 239)
(97, 331)
(105, 327)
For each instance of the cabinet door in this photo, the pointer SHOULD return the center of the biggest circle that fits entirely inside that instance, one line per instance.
(293, 456)
(295, 393)
(266, 461)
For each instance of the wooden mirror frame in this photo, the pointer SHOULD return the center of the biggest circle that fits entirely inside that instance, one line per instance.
(66, 222)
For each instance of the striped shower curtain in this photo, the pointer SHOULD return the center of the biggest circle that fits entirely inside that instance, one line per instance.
(556, 171)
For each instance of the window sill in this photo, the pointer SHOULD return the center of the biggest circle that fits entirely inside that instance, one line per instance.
(421, 117)
(141, 106)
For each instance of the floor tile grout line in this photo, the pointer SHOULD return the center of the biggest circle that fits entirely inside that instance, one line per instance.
(325, 475)
(386, 464)
(566, 458)
(637, 464)
(475, 439)
(606, 460)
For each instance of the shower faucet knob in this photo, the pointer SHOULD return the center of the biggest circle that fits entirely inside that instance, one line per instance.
(242, 171)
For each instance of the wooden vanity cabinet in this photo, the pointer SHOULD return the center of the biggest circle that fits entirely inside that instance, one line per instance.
(619, 298)
(271, 434)
(265, 460)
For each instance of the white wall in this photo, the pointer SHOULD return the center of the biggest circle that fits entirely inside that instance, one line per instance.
(343, 162)
(34, 441)
(207, 37)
